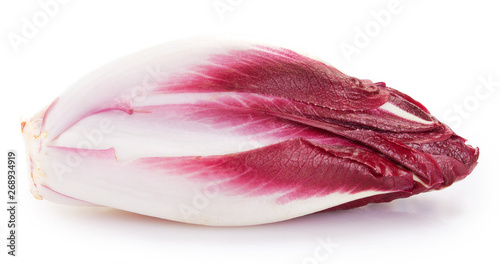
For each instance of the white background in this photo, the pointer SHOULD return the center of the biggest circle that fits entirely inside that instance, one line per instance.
(435, 51)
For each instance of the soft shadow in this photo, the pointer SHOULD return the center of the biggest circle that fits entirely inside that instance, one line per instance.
(392, 219)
